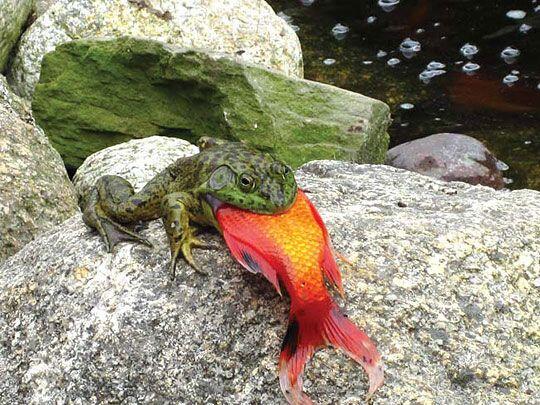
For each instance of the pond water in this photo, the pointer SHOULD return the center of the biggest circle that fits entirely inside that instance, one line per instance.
(463, 66)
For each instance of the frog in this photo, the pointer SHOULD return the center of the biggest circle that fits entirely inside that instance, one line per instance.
(187, 194)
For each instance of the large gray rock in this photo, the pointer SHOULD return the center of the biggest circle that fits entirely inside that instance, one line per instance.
(444, 276)
(35, 192)
(97, 93)
(13, 16)
(245, 27)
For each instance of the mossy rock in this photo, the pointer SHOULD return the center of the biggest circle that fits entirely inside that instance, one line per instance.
(93, 94)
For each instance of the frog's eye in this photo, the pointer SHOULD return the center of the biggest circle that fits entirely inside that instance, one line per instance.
(247, 183)
(221, 177)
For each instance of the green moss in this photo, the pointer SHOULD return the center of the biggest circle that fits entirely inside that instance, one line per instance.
(93, 94)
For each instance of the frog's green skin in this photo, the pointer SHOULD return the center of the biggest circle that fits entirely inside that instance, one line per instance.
(187, 192)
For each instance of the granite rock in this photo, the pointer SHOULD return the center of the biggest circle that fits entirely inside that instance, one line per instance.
(35, 192)
(246, 27)
(13, 16)
(445, 277)
(449, 157)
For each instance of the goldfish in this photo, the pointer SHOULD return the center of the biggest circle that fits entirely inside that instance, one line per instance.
(293, 249)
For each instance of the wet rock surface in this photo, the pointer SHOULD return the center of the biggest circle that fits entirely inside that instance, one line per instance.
(445, 277)
(13, 16)
(35, 192)
(449, 157)
(250, 28)
(93, 94)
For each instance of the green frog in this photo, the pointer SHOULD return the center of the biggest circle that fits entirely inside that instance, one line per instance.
(187, 194)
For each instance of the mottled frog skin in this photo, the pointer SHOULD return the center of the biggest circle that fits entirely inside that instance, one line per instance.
(187, 193)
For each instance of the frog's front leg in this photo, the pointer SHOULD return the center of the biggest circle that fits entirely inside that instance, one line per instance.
(175, 215)
(112, 204)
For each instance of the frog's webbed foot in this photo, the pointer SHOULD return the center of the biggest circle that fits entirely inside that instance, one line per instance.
(179, 232)
(111, 231)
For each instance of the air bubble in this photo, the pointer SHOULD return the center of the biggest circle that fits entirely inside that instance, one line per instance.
(470, 68)
(469, 50)
(388, 5)
(527, 142)
(500, 165)
(287, 18)
(524, 28)
(507, 180)
(409, 48)
(394, 61)
(434, 65)
(381, 54)
(367, 62)
(509, 80)
(406, 106)
(427, 75)
(371, 19)
(307, 3)
(329, 61)
(510, 54)
(340, 31)
(516, 14)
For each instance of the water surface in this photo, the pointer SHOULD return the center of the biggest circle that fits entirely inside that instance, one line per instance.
(483, 80)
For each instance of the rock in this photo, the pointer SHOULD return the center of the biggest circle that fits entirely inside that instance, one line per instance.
(137, 161)
(36, 193)
(94, 93)
(449, 157)
(248, 28)
(13, 16)
(442, 277)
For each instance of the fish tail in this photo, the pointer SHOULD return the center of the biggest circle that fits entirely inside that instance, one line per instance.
(317, 327)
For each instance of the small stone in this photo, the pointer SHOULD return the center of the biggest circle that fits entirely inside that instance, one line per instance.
(449, 157)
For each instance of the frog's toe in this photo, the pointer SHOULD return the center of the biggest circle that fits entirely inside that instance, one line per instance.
(196, 242)
(184, 247)
(114, 233)
(111, 232)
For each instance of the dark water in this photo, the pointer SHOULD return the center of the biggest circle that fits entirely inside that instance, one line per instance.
(505, 117)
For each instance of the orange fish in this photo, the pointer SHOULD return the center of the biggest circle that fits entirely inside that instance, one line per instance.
(293, 248)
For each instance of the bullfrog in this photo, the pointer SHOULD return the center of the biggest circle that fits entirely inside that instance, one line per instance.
(186, 194)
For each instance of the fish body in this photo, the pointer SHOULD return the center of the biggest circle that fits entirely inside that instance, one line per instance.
(293, 248)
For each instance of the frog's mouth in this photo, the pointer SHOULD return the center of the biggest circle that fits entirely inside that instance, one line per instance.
(214, 203)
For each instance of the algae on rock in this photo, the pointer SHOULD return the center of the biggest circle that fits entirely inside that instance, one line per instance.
(96, 93)
(230, 26)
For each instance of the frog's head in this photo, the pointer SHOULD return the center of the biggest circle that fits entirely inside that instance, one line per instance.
(253, 181)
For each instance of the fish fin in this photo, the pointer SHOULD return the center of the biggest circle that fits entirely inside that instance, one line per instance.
(294, 355)
(331, 269)
(322, 326)
(329, 265)
(251, 259)
(341, 333)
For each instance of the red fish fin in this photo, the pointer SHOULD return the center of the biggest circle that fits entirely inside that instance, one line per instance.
(341, 333)
(329, 265)
(251, 259)
(295, 353)
(323, 326)
(331, 269)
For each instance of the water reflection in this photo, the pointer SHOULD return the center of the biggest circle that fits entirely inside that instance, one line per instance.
(451, 39)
